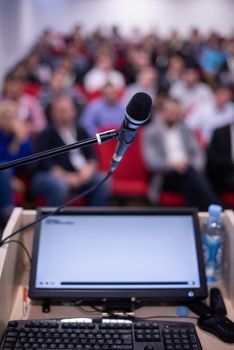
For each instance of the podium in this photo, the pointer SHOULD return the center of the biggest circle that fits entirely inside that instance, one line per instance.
(15, 269)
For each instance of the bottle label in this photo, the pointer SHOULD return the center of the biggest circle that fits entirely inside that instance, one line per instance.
(212, 249)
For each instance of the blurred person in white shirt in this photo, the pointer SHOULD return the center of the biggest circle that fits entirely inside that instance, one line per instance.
(190, 90)
(212, 114)
(103, 72)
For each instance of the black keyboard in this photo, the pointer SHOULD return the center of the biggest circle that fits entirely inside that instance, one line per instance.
(100, 334)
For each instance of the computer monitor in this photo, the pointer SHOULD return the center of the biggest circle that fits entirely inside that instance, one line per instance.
(142, 254)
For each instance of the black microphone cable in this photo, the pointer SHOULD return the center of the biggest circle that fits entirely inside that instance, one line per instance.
(57, 210)
(21, 245)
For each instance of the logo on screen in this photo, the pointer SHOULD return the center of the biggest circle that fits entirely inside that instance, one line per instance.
(58, 222)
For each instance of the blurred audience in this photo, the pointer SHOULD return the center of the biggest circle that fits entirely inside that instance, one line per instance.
(212, 114)
(66, 80)
(74, 171)
(105, 112)
(175, 159)
(14, 143)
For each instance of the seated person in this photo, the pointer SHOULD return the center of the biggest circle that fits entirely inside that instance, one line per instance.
(191, 91)
(102, 72)
(220, 158)
(73, 171)
(14, 143)
(136, 60)
(58, 85)
(173, 74)
(172, 154)
(29, 109)
(212, 114)
(146, 82)
(212, 57)
(105, 112)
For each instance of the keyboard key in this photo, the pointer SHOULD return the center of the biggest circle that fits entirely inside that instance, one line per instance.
(121, 347)
(193, 338)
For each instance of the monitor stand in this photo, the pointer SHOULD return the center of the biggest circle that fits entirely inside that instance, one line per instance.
(123, 308)
(216, 306)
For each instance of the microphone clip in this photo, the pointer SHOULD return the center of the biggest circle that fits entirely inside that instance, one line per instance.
(126, 136)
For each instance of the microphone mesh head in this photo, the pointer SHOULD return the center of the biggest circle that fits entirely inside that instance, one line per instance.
(139, 107)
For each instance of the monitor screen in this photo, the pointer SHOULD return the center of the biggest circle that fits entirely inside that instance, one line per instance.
(91, 253)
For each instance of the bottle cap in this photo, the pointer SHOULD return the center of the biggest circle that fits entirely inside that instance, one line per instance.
(182, 311)
(215, 210)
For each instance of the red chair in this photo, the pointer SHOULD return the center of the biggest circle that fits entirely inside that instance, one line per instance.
(41, 202)
(131, 177)
(91, 96)
(227, 198)
(32, 89)
(19, 199)
(172, 199)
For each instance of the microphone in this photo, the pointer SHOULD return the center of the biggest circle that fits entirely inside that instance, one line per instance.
(137, 114)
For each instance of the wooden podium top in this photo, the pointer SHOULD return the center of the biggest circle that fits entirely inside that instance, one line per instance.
(15, 268)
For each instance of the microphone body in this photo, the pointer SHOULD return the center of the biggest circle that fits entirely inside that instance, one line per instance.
(137, 114)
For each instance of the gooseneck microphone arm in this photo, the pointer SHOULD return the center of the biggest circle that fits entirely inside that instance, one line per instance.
(137, 114)
(100, 138)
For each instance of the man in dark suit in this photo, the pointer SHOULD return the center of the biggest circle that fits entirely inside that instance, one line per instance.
(220, 158)
(73, 171)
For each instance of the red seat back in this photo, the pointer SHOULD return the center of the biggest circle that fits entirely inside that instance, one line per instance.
(227, 198)
(33, 89)
(131, 177)
(172, 199)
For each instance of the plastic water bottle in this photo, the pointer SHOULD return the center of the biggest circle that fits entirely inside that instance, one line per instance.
(213, 234)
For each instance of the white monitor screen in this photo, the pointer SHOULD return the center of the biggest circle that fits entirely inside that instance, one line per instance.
(117, 252)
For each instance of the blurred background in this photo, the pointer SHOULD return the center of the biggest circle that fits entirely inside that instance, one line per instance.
(68, 69)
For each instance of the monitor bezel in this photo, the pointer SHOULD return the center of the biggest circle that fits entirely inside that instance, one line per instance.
(150, 295)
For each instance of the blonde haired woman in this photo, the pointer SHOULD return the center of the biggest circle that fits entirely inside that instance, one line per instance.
(14, 143)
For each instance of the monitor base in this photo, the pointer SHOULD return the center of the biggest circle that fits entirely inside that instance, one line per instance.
(123, 308)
